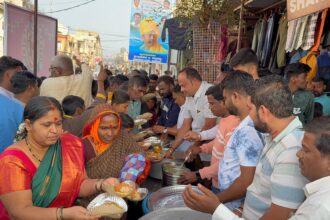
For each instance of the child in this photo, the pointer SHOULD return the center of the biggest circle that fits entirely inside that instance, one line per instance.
(73, 106)
(127, 122)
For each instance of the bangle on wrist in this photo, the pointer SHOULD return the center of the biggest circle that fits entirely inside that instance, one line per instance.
(61, 213)
(200, 136)
(101, 189)
(100, 95)
(56, 213)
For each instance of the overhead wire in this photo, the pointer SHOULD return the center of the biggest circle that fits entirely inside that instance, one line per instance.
(69, 8)
(62, 3)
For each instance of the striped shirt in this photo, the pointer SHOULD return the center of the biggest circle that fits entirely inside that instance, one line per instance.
(277, 179)
(217, 146)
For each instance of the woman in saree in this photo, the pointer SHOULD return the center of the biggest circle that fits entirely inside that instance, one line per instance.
(110, 150)
(43, 174)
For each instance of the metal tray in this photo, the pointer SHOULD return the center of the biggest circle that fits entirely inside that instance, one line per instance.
(182, 213)
(168, 197)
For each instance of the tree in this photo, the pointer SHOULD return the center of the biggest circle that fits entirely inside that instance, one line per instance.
(206, 11)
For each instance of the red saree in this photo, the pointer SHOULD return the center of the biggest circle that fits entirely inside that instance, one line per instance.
(18, 170)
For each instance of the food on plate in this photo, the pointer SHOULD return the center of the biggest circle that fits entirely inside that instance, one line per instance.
(139, 122)
(147, 116)
(138, 195)
(124, 189)
(153, 156)
(135, 196)
(157, 148)
(109, 185)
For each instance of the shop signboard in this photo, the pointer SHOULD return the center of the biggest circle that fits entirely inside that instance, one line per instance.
(146, 25)
(19, 38)
(300, 8)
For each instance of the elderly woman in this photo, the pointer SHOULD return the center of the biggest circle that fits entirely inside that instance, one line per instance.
(109, 150)
(43, 173)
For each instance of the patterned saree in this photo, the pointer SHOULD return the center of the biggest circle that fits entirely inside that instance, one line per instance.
(56, 182)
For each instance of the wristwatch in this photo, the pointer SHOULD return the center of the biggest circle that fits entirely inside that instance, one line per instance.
(165, 131)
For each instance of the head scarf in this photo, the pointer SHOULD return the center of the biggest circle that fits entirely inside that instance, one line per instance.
(149, 25)
(92, 126)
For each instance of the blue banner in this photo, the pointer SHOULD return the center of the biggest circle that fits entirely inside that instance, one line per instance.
(147, 21)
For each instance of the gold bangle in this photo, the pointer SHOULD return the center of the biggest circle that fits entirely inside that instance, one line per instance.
(61, 213)
(101, 190)
(57, 218)
(100, 95)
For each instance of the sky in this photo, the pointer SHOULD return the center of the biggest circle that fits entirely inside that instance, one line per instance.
(110, 18)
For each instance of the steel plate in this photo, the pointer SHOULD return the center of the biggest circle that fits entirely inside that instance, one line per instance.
(168, 197)
(181, 213)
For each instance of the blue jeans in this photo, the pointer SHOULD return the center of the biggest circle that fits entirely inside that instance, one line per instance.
(230, 205)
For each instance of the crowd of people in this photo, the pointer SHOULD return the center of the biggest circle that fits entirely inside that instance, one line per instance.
(258, 144)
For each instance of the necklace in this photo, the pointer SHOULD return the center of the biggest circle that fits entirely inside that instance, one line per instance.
(30, 149)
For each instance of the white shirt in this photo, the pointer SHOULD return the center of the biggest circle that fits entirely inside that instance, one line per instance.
(78, 85)
(182, 115)
(316, 205)
(209, 134)
(198, 107)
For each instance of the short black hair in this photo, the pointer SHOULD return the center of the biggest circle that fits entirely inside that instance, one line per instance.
(126, 121)
(295, 69)
(22, 80)
(272, 92)
(71, 103)
(177, 89)
(95, 87)
(138, 80)
(153, 77)
(143, 73)
(191, 73)
(244, 56)
(168, 80)
(120, 97)
(320, 127)
(108, 72)
(41, 79)
(319, 79)
(39, 106)
(135, 72)
(215, 91)
(118, 79)
(240, 82)
(264, 72)
(225, 67)
(7, 63)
